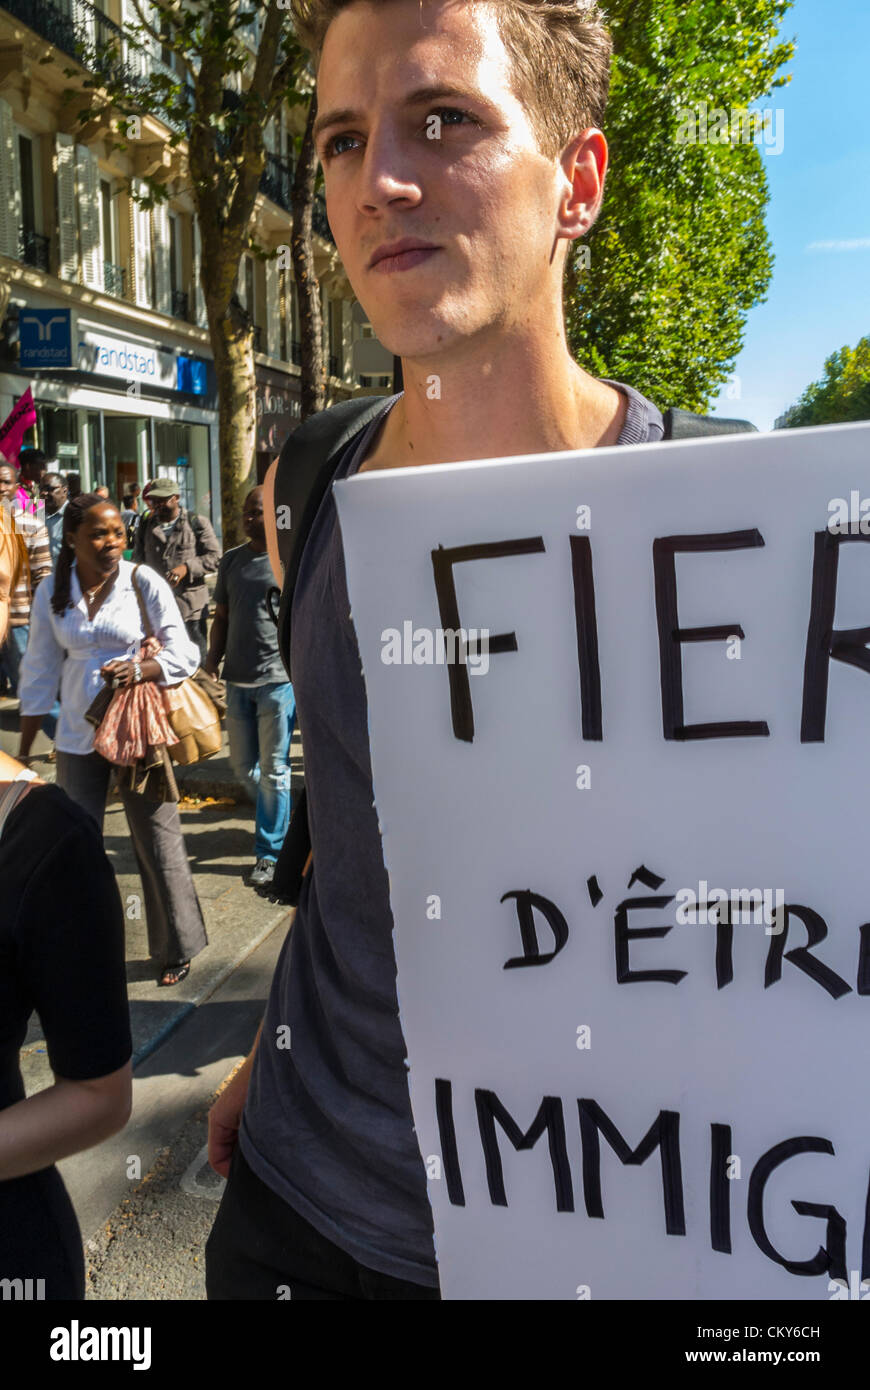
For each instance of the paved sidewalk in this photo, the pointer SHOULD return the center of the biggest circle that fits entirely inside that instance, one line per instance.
(218, 825)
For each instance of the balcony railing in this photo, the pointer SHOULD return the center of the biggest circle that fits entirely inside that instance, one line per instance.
(319, 220)
(33, 249)
(84, 33)
(276, 180)
(180, 305)
(114, 279)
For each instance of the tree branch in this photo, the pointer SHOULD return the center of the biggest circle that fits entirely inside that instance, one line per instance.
(157, 36)
(267, 52)
(285, 76)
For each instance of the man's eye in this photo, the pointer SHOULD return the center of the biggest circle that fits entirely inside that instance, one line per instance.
(330, 148)
(454, 111)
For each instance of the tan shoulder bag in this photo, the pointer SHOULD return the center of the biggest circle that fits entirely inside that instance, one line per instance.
(193, 715)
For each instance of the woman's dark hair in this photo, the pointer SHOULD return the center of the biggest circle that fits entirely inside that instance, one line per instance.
(76, 510)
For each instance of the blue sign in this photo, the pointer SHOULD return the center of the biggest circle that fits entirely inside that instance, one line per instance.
(45, 337)
(192, 375)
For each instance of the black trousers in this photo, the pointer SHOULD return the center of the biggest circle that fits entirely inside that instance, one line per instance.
(260, 1248)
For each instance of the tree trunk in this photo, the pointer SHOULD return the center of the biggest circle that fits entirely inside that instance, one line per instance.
(313, 380)
(232, 344)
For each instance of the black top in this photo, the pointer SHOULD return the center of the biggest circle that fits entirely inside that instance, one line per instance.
(243, 581)
(61, 943)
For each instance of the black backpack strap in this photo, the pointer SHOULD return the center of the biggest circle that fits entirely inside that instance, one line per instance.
(293, 855)
(306, 467)
(305, 470)
(682, 424)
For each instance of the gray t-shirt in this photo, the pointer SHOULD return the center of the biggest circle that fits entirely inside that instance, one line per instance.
(327, 1124)
(243, 580)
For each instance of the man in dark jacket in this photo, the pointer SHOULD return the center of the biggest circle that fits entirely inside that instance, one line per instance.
(184, 549)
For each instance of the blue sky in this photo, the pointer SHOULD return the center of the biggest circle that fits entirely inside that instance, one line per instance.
(819, 299)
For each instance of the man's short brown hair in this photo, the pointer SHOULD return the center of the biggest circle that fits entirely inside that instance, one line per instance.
(560, 54)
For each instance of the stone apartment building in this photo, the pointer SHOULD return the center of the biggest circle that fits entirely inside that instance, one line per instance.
(105, 319)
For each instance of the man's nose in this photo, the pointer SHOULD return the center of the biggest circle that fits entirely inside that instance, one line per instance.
(390, 168)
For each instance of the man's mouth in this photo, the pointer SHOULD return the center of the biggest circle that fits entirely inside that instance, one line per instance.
(401, 255)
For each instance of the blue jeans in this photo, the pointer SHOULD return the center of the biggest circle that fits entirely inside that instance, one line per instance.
(260, 720)
(10, 663)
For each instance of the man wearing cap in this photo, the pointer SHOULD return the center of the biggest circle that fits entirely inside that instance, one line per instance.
(183, 548)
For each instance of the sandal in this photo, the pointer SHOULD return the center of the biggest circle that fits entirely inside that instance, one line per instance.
(174, 974)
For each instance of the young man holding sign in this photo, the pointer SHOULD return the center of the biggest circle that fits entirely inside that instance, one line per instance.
(463, 154)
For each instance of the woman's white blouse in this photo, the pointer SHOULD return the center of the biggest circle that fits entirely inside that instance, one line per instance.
(67, 649)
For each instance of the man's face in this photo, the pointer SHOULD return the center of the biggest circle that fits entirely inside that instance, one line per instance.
(31, 467)
(8, 482)
(53, 492)
(480, 190)
(252, 517)
(165, 507)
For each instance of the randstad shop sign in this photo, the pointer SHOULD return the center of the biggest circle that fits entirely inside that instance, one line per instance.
(127, 359)
(45, 338)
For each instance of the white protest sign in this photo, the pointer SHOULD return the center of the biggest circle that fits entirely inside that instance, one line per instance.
(624, 1086)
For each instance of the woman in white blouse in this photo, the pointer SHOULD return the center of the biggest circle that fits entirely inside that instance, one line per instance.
(86, 623)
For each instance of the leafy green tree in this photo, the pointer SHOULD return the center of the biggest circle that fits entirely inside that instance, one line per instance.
(235, 63)
(680, 253)
(842, 394)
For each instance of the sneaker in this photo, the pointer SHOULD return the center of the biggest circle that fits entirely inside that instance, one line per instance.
(262, 873)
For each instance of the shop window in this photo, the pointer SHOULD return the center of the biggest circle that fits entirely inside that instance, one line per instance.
(182, 453)
(57, 430)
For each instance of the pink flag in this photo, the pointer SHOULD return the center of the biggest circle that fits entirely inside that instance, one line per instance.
(15, 426)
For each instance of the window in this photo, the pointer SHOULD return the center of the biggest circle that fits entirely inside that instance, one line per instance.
(174, 254)
(28, 185)
(295, 334)
(283, 306)
(107, 221)
(113, 275)
(335, 338)
(167, 55)
(249, 287)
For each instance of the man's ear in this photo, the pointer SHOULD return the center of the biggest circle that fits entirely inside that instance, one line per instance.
(584, 166)
(271, 524)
